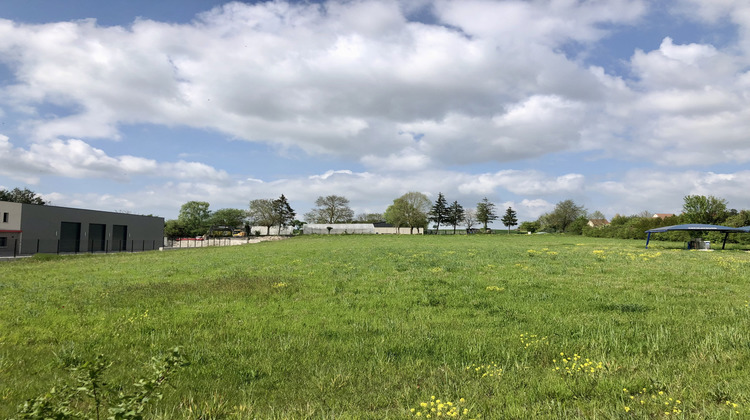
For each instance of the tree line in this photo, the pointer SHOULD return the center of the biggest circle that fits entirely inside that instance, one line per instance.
(23, 196)
(413, 210)
(195, 218)
(697, 209)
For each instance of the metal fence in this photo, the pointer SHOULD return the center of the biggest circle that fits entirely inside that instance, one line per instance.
(57, 246)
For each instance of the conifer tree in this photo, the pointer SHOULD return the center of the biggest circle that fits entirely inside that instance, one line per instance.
(510, 219)
(439, 211)
(455, 215)
(486, 212)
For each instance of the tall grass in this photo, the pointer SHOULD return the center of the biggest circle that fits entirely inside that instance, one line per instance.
(374, 326)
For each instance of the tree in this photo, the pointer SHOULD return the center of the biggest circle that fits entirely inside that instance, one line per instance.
(232, 218)
(486, 212)
(370, 218)
(565, 213)
(194, 216)
(510, 219)
(395, 214)
(454, 215)
(261, 213)
(597, 215)
(439, 211)
(470, 218)
(530, 226)
(410, 209)
(578, 224)
(298, 225)
(741, 219)
(701, 209)
(283, 214)
(330, 209)
(174, 229)
(24, 196)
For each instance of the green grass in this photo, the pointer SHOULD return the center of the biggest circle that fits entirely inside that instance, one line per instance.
(372, 326)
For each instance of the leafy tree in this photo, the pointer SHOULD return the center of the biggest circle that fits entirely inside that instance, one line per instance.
(741, 219)
(174, 229)
(439, 211)
(283, 214)
(576, 227)
(530, 226)
(409, 209)
(510, 219)
(395, 214)
(232, 218)
(597, 215)
(194, 216)
(454, 215)
(229, 217)
(701, 209)
(262, 213)
(24, 196)
(619, 220)
(298, 225)
(565, 213)
(370, 218)
(486, 212)
(330, 209)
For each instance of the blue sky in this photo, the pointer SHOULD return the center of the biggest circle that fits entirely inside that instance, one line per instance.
(621, 105)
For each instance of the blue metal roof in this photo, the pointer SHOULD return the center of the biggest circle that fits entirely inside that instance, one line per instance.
(696, 226)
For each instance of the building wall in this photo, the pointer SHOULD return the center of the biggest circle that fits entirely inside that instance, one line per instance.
(273, 231)
(41, 226)
(338, 228)
(10, 225)
(398, 231)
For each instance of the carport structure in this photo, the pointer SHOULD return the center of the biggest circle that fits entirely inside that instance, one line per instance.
(699, 227)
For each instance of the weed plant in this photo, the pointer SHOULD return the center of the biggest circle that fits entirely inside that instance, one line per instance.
(370, 327)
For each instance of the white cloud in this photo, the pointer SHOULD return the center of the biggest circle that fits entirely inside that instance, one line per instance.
(77, 159)
(553, 22)
(314, 76)
(522, 183)
(489, 81)
(663, 192)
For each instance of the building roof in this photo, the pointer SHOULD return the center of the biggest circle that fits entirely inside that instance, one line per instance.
(598, 222)
(701, 228)
(696, 226)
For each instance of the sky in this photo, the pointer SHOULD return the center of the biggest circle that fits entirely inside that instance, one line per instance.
(622, 106)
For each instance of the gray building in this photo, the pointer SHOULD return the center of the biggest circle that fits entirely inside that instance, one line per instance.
(29, 228)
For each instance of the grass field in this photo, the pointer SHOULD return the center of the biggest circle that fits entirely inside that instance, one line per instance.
(372, 327)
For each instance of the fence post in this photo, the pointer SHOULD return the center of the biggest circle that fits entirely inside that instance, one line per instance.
(37, 245)
(15, 248)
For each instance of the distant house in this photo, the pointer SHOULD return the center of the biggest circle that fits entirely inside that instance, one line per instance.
(662, 216)
(598, 222)
(30, 228)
